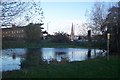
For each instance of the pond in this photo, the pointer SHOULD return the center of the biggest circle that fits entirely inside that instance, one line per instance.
(18, 58)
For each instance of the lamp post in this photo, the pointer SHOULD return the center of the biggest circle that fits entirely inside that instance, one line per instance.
(108, 44)
(48, 24)
(108, 41)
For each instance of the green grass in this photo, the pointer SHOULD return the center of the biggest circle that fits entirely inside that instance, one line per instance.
(94, 68)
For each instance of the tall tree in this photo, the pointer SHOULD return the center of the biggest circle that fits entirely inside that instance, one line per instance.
(33, 33)
(112, 24)
(17, 12)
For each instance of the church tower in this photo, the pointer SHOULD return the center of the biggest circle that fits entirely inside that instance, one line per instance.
(72, 33)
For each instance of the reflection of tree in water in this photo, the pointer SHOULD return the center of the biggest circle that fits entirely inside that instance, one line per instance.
(89, 53)
(33, 58)
(14, 56)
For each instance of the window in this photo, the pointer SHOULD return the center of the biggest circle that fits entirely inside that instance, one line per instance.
(22, 31)
(22, 36)
(17, 31)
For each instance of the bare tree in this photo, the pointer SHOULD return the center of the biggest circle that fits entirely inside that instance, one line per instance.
(17, 12)
(83, 30)
(97, 17)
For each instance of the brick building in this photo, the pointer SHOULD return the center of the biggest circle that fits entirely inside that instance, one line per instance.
(15, 33)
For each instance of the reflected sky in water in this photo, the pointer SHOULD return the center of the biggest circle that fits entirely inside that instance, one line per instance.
(12, 59)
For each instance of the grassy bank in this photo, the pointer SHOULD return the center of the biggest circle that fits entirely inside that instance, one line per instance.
(94, 68)
(18, 44)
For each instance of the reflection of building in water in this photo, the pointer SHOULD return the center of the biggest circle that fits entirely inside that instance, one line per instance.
(77, 55)
(72, 54)
(59, 56)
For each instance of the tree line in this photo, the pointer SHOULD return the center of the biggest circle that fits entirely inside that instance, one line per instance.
(106, 21)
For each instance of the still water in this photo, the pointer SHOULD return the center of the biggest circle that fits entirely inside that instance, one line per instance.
(18, 58)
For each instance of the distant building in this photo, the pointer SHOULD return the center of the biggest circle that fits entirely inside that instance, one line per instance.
(72, 36)
(15, 32)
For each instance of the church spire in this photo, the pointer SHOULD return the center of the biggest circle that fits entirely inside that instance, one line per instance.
(72, 33)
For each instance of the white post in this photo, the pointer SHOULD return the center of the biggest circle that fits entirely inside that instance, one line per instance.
(108, 44)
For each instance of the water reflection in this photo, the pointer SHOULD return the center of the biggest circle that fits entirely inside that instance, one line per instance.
(32, 58)
(15, 59)
(61, 54)
(89, 53)
(14, 56)
(12, 61)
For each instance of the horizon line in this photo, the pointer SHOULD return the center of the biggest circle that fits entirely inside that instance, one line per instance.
(60, 1)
